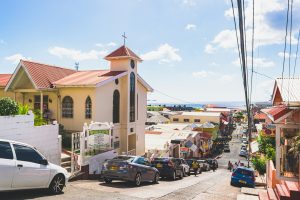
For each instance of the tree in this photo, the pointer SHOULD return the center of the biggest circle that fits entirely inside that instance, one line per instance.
(8, 107)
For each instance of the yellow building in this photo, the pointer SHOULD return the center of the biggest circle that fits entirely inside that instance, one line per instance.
(117, 95)
(196, 117)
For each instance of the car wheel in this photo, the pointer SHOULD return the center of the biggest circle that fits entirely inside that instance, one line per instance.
(57, 184)
(174, 176)
(107, 180)
(138, 179)
(181, 174)
(156, 178)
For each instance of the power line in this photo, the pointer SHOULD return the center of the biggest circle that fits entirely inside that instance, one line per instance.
(290, 50)
(180, 100)
(296, 54)
(286, 32)
(252, 52)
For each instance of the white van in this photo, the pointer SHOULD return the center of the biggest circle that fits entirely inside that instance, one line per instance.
(23, 167)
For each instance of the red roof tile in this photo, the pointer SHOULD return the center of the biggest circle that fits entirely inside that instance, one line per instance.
(276, 113)
(153, 132)
(87, 78)
(44, 75)
(260, 116)
(123, 51)
(4, 78)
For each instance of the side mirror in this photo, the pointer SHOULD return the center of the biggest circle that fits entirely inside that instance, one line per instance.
(44, 162)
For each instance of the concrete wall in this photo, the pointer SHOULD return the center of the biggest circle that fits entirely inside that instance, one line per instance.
(191, 118)
(45, 138)
(95, 163)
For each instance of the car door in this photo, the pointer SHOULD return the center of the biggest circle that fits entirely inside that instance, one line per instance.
(7, 165)
(144, 169)
(29, 173)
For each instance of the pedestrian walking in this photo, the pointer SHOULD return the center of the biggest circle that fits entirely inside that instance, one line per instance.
(230, 166)
(195, 166)
(214, 166)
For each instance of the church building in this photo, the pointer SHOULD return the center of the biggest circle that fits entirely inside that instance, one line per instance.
(72, 97)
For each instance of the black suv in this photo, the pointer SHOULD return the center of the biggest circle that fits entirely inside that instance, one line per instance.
(168, 167)
(210, 161)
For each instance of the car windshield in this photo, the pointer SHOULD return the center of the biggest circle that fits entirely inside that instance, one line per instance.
(189, 161)
(125, 158)
(160, 160)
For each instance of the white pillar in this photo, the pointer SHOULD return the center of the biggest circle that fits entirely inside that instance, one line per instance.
(42, 104)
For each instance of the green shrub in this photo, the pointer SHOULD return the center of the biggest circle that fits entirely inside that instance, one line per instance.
(259, 164)
(38, 119)
(23, 110)
(8, 107)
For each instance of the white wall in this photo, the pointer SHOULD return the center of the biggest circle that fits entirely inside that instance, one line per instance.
(45, 138)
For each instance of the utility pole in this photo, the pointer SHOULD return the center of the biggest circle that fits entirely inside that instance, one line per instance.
(244, 69)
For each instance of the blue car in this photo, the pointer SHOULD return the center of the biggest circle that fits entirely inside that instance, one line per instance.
(243, 176)
(135, 169)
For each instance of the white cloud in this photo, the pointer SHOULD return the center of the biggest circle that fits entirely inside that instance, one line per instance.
(287, 55)
(110, 44)
(265, 34)
(200, 74)
(76, 55)
(190, 27)
(214, 64)
(257, 62)
(189, 2)
(165, 53)
(16, 58)
(2, 42)
(210, 49)
(226, 78)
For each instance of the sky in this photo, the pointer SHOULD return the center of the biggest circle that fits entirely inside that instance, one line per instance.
(188, 47)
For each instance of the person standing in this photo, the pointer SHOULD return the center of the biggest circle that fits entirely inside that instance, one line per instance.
(195, 166)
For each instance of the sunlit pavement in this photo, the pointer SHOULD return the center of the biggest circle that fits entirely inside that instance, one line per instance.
(208, 185)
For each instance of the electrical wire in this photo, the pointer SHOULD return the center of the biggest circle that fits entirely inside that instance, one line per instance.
(175, 98)
(252, 52)
(286, 32)
(290, 50)
(296, 56)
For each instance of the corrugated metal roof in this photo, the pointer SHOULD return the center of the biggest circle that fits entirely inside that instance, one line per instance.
(207, 114)
(4, 78)
(289, 89)
(87, 78)
(157, 119)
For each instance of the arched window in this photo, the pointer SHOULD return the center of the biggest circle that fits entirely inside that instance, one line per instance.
(132, 98)
(67, 107)
(116, 107)
(88, 108)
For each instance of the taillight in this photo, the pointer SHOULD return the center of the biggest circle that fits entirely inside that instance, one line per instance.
(170, 164)
(233, 174)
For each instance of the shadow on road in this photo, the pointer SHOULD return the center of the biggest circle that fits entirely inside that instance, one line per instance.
(25, 194)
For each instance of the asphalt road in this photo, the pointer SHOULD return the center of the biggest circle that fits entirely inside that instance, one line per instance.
(208, 185)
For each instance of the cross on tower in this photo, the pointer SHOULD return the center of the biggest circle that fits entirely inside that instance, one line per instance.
(124, 36)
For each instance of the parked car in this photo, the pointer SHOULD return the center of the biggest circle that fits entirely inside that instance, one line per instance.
(184, 165)
(168, 167)
(212, 161)
(135, 169)
(226, 149)
(243, 176)
(204, 165)
(23, 167)
(243, 153)
(244, 148)
(189, 162)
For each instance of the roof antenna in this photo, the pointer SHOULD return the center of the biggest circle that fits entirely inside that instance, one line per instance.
(76, 66)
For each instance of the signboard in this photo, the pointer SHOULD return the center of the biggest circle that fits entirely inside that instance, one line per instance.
(184, 150)
(193, 148)
(254, 146)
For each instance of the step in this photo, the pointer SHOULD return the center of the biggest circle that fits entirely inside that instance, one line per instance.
(271, 194)
(66, 164)
(263, 195)
(281, 192)
(65, 159)
(293, 189)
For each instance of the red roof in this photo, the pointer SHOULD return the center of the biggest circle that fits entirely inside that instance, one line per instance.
(153, 132)
(44, 75)
(276, 113)
(260, 116)
(87, 78)
(4, 78)
(123, 51)
(205, 135)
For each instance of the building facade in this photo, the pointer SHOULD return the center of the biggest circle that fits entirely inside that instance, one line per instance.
(117, 95)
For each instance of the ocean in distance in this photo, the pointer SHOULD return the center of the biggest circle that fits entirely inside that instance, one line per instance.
(232, 104)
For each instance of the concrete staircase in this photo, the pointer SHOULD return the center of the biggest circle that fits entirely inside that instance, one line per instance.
(66, 162)
(286, 190)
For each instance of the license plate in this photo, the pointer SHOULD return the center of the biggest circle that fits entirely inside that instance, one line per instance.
(241, 181)
(113, 168)
(158, 165)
